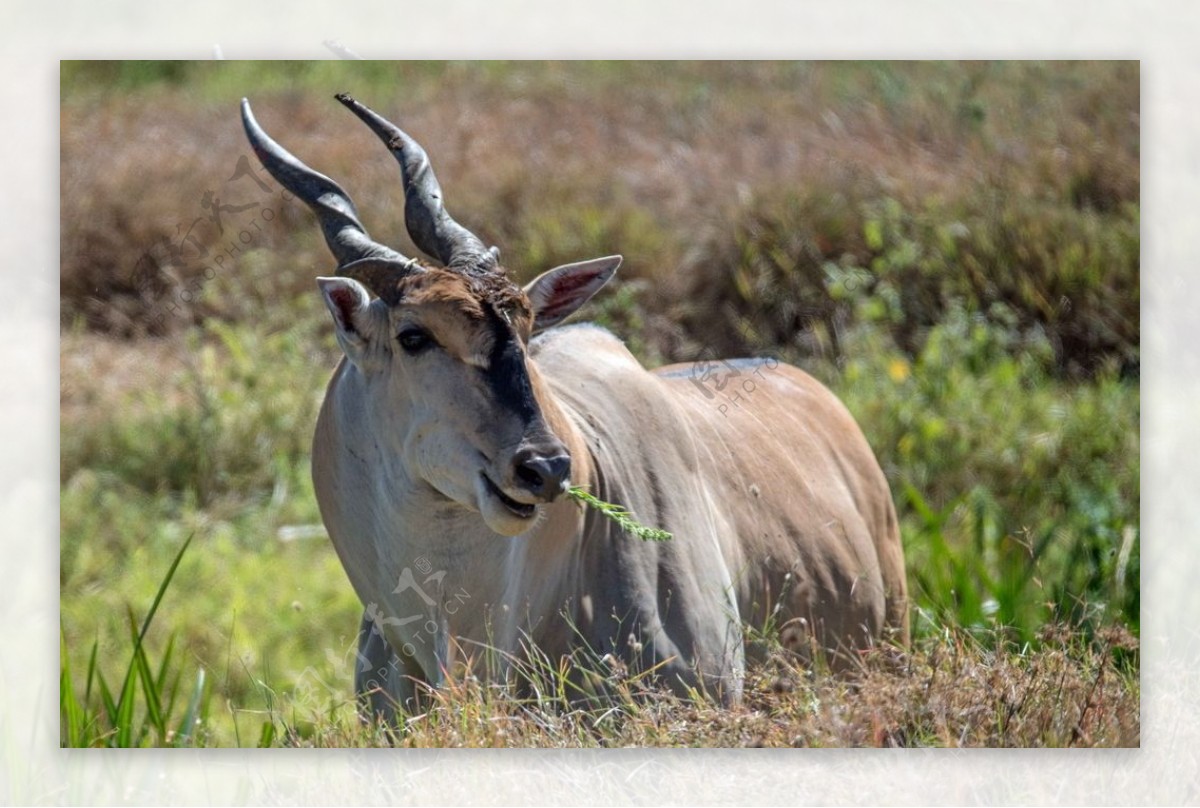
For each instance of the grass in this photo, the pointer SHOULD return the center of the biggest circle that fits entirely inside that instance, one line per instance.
(618, 515)
(950, 689)
(103, 720)
(952, 248)
(1018, 492)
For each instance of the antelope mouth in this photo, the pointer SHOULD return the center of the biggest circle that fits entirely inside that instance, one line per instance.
(518, 509)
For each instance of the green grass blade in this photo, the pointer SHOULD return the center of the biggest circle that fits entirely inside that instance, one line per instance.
(124, 711)
(165, 664)
(183, 736)
(91, 672)
(73, 714)
(619, 515)
(267, 736)
(124, 720)
(172, 693)
(149, 686)
(110, 706)
(162, 589)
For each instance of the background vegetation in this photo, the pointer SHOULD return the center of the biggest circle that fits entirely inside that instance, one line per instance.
(952, 247)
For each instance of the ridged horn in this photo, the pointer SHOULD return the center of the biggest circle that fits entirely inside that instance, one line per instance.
(432, 229)
(335, 211)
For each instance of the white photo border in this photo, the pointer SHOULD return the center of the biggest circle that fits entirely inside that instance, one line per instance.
(1165, 769)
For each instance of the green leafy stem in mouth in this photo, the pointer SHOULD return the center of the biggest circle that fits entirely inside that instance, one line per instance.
(619, 515)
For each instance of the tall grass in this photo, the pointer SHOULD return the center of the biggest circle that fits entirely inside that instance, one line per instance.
(951, 689)
(97, 718)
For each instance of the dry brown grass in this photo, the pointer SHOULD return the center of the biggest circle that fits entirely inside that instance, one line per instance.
(948, 691)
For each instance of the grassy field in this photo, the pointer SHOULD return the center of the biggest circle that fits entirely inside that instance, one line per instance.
(952, 247)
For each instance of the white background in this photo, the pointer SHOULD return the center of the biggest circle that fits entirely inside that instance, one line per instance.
(1165, 36)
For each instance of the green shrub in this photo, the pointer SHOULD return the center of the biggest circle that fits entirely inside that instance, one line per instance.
(795, 270)
(1018, 492)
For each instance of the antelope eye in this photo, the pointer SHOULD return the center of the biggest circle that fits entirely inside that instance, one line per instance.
(414, 340)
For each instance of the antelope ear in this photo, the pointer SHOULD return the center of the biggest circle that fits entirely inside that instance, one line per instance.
(347, 300)
(557, 293)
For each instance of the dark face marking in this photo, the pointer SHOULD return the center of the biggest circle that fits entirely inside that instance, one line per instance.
(506, 375)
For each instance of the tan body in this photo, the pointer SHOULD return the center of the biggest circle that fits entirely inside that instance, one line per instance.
(775, 502)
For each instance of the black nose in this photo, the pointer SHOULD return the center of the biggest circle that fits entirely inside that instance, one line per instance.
(543, 476)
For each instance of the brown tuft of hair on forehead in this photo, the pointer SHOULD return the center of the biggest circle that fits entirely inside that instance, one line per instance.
(469, 293)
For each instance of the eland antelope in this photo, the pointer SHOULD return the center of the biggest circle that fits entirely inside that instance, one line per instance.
(459, 416)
